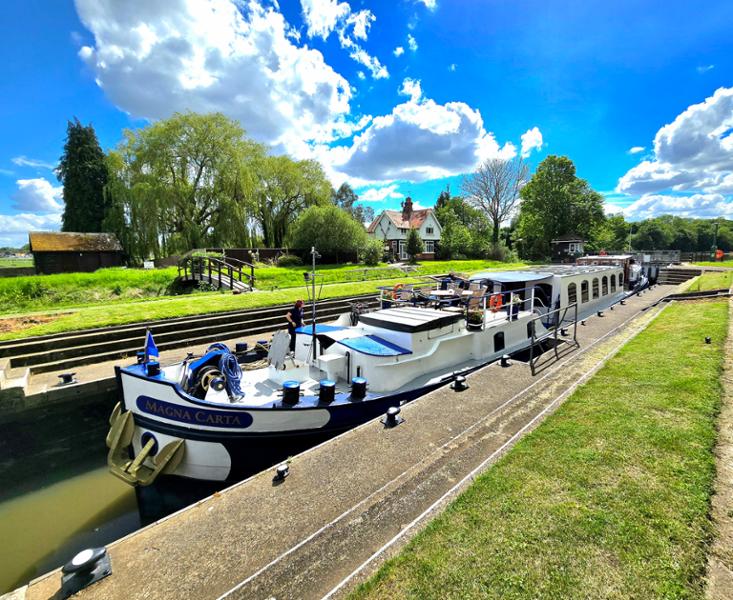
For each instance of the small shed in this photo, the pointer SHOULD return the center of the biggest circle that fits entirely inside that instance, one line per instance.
(567, 248)
(68, 252)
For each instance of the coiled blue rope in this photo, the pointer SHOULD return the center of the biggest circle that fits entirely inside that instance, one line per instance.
(232, 372)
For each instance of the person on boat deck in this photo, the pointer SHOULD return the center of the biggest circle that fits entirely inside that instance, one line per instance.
(294, 318)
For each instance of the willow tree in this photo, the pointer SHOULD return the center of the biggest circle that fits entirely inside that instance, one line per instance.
(186, 182)
(284, 189)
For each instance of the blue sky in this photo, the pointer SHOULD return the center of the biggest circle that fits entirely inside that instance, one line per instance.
(398, 97)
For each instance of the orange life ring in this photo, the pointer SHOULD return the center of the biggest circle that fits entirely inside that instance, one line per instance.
(495, 303)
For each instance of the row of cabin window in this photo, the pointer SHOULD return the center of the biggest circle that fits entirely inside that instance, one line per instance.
(573, 289)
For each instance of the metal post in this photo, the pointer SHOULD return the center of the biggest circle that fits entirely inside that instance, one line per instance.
(313, 325)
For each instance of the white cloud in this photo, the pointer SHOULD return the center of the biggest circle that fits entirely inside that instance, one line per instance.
(398, 51)
(378, 194)
(154, 58)
(429, 4)
(322, 16)
(14, 228)
(7, 172)
(636, 149)
(693, 153)
(531, 140)
(411, 42)
(697, 205)
(705, 68)
(24, 161)
(452, 67)
(37, 195)
(417, 141)
(360, 75)
(325, 16)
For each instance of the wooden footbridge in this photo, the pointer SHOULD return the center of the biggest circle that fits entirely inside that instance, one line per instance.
(226, 272)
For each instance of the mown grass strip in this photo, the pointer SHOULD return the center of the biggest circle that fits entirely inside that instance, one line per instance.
(712, 280)
(608, 498)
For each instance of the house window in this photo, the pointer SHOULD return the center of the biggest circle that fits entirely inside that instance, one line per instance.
(428, 230)
(403, 230)
(429, 246)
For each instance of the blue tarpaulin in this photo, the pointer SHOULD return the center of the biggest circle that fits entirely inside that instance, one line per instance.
(374, 346)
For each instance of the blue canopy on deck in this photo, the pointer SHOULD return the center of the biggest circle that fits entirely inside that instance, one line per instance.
(374, 346)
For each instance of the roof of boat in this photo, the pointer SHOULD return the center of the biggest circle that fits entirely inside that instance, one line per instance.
(410, 319)
(511, 276)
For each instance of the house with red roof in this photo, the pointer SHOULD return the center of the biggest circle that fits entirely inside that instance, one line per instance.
(392, 226)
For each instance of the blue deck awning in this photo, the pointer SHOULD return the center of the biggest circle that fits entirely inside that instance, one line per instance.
(374, 346)
(320, 328)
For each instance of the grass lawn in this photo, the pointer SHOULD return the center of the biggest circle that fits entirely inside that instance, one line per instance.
(118, 285)
(728, 264)
(712, 280)
(608, 498)
(6, 263)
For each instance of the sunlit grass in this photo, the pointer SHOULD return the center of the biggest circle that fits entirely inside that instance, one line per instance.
(608, 498)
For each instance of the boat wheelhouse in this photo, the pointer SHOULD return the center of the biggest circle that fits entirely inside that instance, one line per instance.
(223, 416)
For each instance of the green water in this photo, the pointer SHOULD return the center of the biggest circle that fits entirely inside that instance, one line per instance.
(42, 529)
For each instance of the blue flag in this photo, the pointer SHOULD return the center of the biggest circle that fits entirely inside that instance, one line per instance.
(150, 348)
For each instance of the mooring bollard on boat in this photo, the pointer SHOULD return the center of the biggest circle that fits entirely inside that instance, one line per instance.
(291, 392)
(326, 391)
(358, 387)
(505, 360)
(86, 568)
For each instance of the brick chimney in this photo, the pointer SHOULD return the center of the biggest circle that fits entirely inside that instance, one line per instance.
(407, 210)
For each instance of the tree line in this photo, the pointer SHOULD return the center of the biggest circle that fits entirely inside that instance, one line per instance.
(195, 180)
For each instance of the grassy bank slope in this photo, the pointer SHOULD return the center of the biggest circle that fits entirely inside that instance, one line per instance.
(194, 304)
(107, 286)
(608, 498)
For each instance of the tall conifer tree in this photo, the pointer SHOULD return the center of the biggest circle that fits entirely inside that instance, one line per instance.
(83, 173)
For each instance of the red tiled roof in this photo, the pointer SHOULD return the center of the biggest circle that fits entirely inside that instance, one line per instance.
(417, 219)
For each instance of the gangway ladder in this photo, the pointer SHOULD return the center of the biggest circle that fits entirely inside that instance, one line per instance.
(552, 333)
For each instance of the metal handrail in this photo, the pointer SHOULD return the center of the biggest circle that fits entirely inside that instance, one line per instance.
(207, 266)
(534, 340)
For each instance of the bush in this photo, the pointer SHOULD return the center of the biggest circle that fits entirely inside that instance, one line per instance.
(499, 251)
(372, 252)
(289, 260)
(333, 231)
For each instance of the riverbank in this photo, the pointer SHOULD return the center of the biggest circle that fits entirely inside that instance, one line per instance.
(609, 497)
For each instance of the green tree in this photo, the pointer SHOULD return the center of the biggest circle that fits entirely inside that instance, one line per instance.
(186, 182)
(556, 202)
(414, 245)
(285, 189)
(331, 230)
(345, 197)
(83, 172)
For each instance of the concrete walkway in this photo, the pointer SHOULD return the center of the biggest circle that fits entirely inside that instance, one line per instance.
(351, 501)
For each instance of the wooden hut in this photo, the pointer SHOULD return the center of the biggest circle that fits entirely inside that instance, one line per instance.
(68, 252)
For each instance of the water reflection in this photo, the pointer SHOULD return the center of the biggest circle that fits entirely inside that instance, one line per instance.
(44, 528)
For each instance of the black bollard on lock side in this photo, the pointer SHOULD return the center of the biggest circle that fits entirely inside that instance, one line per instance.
(86, 568)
